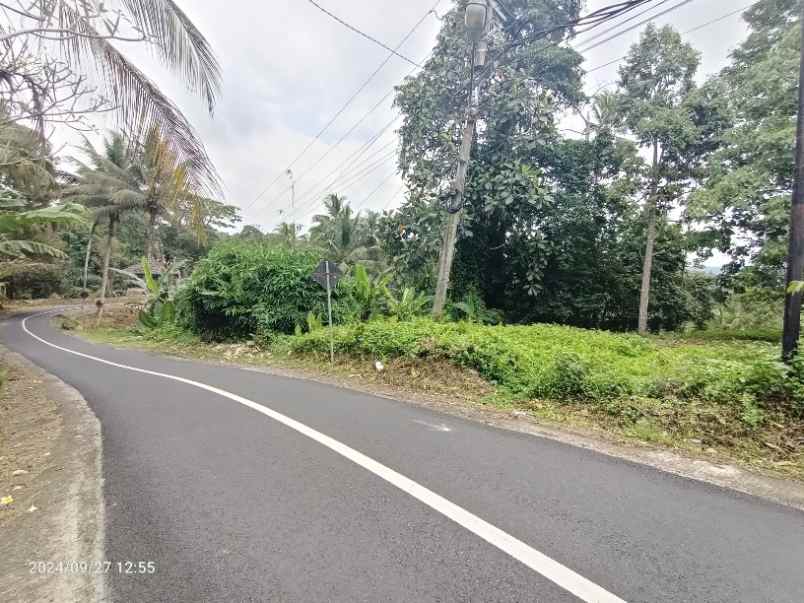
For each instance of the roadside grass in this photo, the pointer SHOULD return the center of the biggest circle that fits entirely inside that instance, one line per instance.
(719, 398)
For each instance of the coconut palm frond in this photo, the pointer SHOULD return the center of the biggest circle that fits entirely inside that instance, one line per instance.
(17, 266)
(142, 106)
(181, 46)
(118, 208)
(131, 276)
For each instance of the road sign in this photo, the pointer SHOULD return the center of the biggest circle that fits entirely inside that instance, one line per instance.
(327, 275)
(325, 267)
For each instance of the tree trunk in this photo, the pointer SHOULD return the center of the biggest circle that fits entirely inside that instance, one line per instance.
(107, 258)
(647, 265)
(149, 235)
(795, 259)
(89, 252)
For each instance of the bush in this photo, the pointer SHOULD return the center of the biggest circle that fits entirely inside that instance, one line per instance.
(244, 288)
(562, 363)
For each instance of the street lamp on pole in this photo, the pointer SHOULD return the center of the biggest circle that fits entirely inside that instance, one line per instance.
(477, 14)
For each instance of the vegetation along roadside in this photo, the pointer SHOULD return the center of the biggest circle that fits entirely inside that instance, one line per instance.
(729, 400)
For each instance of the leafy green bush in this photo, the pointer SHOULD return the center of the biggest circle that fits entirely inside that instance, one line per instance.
(407, 305)
(474, 309)
(562, 363)
(250, 287)
(368, 293)
(160, 309)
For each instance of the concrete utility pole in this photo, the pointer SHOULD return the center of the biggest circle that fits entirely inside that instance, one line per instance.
(478, 17)
(795, 259)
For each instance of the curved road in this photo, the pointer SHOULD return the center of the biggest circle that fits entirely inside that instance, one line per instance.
(243, 486)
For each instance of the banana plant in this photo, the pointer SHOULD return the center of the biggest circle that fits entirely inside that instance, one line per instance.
(369, 292)
(160, 308)
(408, 305)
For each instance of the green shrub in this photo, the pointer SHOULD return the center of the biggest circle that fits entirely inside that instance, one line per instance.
(566, 363)
(250, 287)
(408, 305)
(568, 378)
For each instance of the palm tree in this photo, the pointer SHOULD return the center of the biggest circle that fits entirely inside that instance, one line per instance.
(81, 32)
(108, 185)
(148, 179)
(145, 178)
(345, 237)
(288, 234)
(27, 179)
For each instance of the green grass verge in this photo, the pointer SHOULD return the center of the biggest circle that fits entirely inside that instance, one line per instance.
(565, 363)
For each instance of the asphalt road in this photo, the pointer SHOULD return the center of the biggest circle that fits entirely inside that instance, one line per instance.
(239, 503)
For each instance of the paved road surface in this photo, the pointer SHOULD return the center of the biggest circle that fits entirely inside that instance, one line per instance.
(235, 503)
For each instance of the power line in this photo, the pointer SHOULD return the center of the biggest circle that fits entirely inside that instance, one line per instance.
(362, 33)
(359, 152)
(338, 175)
(353, 179)
(592, 20)
(385, 180)
(346, 105)
(393, 198)
(683, 33)
(635, 26)
(339, 142)
(621, 23)
(316, 190)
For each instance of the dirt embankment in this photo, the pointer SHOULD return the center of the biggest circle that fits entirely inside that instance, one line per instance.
(51, 504)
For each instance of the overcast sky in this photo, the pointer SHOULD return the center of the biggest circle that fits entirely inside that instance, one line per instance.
(288, 68)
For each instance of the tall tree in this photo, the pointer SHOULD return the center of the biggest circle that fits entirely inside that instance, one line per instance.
(522, 94)
(746, 195)
(656, 81)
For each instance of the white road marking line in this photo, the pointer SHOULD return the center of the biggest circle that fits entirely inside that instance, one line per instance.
(540, 563)
(433, 426)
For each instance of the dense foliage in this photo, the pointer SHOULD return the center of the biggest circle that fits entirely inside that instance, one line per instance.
(246, 288)
(562, 363)
(749, 179)
(554, 228)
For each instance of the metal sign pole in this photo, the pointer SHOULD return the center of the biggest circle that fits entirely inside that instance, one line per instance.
(329, 311)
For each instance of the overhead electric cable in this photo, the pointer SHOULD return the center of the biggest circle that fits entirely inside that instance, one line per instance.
(683, 33)
(347, 104)
(353, 179)
(621, 23)
(592, 20)
(362, 33)
(635, 26)
(384, 181)
(338, 175)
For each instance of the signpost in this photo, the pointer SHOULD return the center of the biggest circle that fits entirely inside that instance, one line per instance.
(327, 275)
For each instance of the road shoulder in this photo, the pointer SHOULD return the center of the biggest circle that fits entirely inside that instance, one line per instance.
(50, 465)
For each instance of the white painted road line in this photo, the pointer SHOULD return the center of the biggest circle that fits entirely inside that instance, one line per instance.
(434, 426)
(554, 571)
